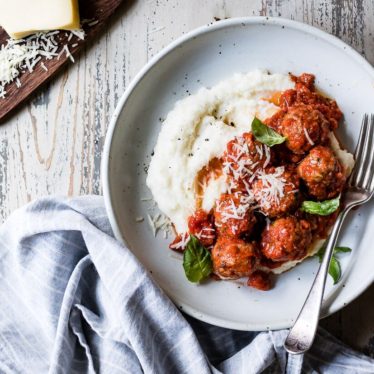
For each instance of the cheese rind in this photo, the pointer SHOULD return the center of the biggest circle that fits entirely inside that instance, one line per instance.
(21, 18)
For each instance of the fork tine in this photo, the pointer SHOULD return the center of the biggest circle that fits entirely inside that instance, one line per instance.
(369, 167)
(359, 152)
(369, 156)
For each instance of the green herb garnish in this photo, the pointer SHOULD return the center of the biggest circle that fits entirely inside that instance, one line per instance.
(265, 134)
(334, 268)
(197, 262)
(322, 208)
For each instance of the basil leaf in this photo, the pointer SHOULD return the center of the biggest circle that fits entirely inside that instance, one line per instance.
(334, 268)
(197, 262)
(265, 134)
(322, 208)
(342, 250)
(321, 252)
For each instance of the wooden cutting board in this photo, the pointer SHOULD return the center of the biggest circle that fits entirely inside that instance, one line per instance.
(95, 10)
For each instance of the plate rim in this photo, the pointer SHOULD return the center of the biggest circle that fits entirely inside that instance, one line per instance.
(105, 161)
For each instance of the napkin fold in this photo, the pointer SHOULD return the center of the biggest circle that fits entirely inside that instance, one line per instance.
(74, 300)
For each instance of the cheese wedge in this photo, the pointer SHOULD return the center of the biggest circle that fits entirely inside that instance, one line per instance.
(20, 18)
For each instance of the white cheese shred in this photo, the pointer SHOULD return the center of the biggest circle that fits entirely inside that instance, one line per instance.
(159, 222)
(93, 23)
(308, 137)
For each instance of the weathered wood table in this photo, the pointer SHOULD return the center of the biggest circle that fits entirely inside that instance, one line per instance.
(53, 144)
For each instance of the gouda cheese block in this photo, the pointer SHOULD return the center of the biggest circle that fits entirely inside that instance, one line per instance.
(20, 18)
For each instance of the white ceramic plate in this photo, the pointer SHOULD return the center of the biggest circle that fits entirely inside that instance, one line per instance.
(203, 58)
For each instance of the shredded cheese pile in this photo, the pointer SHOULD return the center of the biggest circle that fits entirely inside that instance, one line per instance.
(232, 210)
(159, 222)
(273, 185)
(18, 56)
(241, 165)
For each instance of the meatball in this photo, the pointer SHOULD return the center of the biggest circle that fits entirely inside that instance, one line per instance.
(305, 93)
(322, 173)
(304, 126)
(286, 239)
(233, 258)
(244, 155)
(233, 216)
(277, 190)
(260, 280)
(201, 225)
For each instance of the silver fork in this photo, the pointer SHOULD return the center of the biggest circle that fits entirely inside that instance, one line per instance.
(360, 190)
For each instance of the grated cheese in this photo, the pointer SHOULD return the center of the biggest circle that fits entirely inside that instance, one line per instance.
(159, 222)
(206, 233)
(93, 23)
(151, 224)
(146, 199)
(268, 156)
(273, 185)
(185, 238)
(241, 165)
(68, 54)
(307, 136)
(18, 56)
(80, 34)
(233, 210)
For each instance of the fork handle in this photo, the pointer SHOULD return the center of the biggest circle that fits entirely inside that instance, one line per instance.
(301, 335)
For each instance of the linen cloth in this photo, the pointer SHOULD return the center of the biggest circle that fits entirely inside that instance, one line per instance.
(74, 300)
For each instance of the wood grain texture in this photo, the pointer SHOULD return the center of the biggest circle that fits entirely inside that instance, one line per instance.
(54, 144)
(99, 11)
